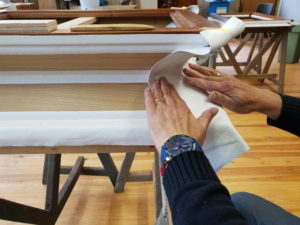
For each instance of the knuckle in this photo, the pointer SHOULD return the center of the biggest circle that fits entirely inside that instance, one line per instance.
(228, 84)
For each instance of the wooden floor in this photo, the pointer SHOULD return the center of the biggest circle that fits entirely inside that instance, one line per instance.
(270, 169)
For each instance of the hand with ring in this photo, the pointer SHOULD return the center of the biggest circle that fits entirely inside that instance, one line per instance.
(232, 93)
(168, 114)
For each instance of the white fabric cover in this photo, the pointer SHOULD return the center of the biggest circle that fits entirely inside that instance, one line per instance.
(222, 144)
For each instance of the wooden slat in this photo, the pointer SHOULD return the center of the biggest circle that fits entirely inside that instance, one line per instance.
(3, 16)
(41, 14)
(232, 59)
(75, 149)
(272, 54)
(260, 53)
(188, 19)
(107, 61)
(154, 31)
(111, 27)
(72, 97)
(78, 21)
(257, 76)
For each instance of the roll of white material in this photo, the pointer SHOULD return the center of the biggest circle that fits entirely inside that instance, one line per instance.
(89, 4)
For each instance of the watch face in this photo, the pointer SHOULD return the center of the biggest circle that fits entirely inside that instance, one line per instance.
(179, 144)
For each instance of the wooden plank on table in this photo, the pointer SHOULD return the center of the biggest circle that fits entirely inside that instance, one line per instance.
(153, 31)
(101, 27)
(188, 19)
(105, 61)
(71, 97)
(78, 21)
(3, 16)
(27, 26)
(42, 14)
(75, 149)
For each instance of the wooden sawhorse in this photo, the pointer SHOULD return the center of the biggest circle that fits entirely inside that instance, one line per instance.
(56, 199)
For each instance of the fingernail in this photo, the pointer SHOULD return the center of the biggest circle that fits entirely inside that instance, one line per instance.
(214, 111)
(212, 94)
(163, 79)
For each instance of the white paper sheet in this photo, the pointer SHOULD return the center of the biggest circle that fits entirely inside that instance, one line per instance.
(223, 143)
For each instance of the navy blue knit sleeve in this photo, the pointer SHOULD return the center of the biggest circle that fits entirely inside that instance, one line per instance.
(289, 119)
(195, 194)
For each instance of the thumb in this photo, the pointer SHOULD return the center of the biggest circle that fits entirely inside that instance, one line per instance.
(219, 98)
(207, 116)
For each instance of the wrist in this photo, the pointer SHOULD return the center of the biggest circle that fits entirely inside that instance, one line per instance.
(270, 104)
(175, 146)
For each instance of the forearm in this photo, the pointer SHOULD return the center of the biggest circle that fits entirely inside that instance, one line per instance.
(195, 193)
(289, 118)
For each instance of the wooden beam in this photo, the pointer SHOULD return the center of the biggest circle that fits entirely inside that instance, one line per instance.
(257, 76)
(75, 149)
(188, 19)
(232, 59)
(78, 21)
(260, 53)
(34, 14)
(110, 27)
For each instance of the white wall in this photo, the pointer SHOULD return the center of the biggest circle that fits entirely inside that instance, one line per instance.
(290, 9)
(148, 4)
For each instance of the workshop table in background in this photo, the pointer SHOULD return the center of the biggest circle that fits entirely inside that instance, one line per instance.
(257, 26)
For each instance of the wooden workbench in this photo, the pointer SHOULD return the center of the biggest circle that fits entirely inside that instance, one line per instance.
(30, 68)
(257, 26)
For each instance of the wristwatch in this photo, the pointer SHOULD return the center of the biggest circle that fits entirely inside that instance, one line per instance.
(175, 146)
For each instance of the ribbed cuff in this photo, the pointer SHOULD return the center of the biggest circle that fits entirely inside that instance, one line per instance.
(289, 118)
(185, 168)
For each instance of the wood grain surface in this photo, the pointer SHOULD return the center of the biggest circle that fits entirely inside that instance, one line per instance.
(119, 26)
(105, 61)
(78, 21)
(72, 97)
(33, 14)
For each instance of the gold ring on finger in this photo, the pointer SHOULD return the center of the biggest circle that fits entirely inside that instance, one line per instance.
(158, 101)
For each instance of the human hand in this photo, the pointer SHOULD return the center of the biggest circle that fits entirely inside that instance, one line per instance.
(168, 115)
(232, 93)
